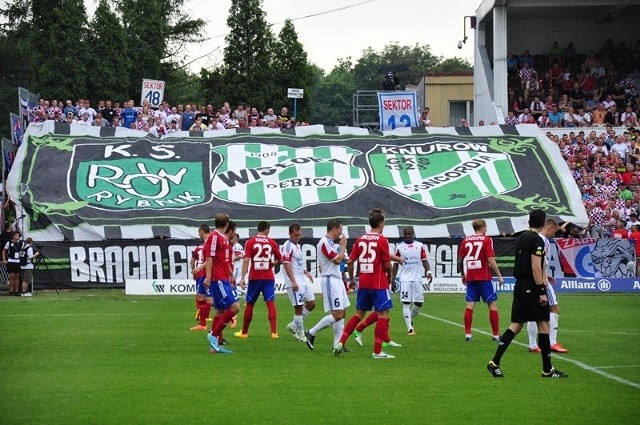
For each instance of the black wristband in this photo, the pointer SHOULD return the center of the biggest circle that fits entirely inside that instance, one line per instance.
(542, 290)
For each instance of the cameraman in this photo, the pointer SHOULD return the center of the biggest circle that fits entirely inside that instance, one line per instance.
(26, 264)
(391, 82)
(11, 259)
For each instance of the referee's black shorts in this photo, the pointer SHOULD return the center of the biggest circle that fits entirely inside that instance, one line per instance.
(526, 305)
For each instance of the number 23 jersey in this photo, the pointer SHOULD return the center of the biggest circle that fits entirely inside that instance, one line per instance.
(261, 250)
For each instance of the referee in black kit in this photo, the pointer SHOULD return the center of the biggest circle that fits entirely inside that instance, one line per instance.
(529, 297)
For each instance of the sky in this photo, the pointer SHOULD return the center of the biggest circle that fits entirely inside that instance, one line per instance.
(333, 29)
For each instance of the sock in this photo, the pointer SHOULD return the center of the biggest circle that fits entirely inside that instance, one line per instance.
(532, 330)
(349, 328)
(553, 332)
(216, 319)
(247, 317)
(338, 328)
(414, 311)
(382, 325)
(226, 316)
(468, 319)
(505, 340)
(205, 310)
(494, 319)
(545, 350)
(298, 325)
(406, 314)
(272, 315)
(324, 323)
(305, 312)
(387, 338)
(368, 321)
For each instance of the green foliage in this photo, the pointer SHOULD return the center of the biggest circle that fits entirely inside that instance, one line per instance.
(248, 56)
(293, 70)
(454, 64)
(59, 48)
(110, 68)
(333, 96)
(418, 59)
(106, 358)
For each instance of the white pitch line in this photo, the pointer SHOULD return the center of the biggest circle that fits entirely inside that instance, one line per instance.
(618, 367)
(564, 357)
(600, 332)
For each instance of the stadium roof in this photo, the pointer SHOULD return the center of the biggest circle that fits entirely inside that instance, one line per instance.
(600, 10)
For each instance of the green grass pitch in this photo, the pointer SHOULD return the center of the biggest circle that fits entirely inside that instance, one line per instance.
(101, 357)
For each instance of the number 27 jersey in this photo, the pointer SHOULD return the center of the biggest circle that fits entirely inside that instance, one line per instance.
(474, 251)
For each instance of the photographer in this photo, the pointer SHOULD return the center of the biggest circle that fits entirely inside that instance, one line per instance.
(27, 259)
(391, 82)
(11, 259)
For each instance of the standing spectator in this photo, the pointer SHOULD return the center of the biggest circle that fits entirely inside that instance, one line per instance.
(99, 121)
(270, 116)
(424, 118)
(620, 148)
(11, 259)
(620, 232)
(188, 118)
(596, 220)
(129, 114)
(108, 112)
(511, 119)
(85, 119)
(530, 301)
(86, 108)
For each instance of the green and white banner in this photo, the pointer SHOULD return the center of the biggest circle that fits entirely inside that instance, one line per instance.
(87, 183)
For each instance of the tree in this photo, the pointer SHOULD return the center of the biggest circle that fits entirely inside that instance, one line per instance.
(58, 47)
(247, 71)
(418, 59)
(156, 33)
(454, 64)
(333, 95)
(108, 67)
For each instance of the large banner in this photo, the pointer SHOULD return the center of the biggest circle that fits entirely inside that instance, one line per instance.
(593, 258)
(89, 183)
(146, 265)
(397, 110)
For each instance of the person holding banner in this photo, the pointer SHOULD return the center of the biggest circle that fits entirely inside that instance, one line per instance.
(258, 263)
(530, 302)
(476, 260)
(548, 231)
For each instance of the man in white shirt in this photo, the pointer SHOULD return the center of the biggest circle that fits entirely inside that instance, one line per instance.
(620, 148)
(584, 118)
(86, 108)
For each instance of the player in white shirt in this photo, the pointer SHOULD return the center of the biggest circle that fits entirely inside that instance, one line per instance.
(549, 230)
(409, 276)
(297, 283)
(334, 294)
(238, 256)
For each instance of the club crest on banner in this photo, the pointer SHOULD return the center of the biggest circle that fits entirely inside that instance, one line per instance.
(286, 177)
(443, 174)
(140, 175)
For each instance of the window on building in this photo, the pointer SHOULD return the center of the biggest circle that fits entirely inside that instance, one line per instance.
(460, 109)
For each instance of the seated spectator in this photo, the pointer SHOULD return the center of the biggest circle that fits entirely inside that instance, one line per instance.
(570, 118)
(512, 64)
(576, 96)
(526, 117)
(543, 120)
(556, 117)
(600, 147)
(629, 118)
(555, 74)
(519, 105)
(613, 117)
(526, 73)
(633, 98)
(100, 121)
(198, 125)
(618, 95)
(526, 58)
(584, 119)
(70, 118)
(599, 115)
(608, 102)
(85, 119)
(511, 119)
(564, 104)
(536, 107)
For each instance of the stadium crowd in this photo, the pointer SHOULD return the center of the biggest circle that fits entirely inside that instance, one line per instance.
(163, 120)
(560, 89)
